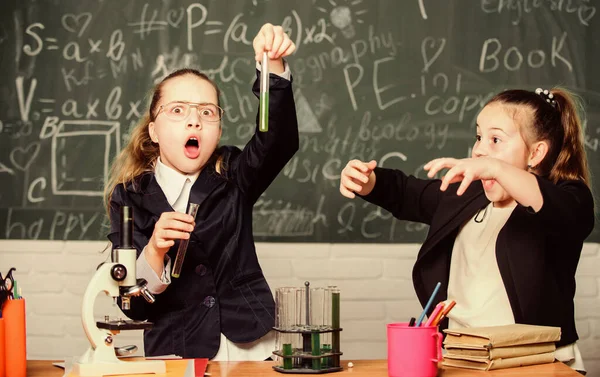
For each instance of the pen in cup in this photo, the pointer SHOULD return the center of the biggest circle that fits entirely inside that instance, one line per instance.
(183, 244)
(426, 309)
(263, 125)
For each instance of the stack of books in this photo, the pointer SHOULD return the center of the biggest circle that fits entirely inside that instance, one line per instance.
(498, 347)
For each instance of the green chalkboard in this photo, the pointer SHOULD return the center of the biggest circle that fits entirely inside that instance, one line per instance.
(400, 82)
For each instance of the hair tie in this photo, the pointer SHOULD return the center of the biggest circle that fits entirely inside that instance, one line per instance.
(546, 95)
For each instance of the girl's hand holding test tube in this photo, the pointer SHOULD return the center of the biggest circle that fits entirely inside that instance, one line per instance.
(271, 44)
(170, 226)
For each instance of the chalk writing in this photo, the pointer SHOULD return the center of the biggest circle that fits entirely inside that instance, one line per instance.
(400, 83)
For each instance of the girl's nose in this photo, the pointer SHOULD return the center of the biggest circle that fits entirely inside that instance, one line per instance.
(195, 124)
(479, 150)
(194, 120)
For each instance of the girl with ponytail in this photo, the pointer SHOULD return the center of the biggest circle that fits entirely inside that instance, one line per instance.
(508, 224)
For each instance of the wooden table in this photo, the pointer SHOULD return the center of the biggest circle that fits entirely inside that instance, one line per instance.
(362, 368)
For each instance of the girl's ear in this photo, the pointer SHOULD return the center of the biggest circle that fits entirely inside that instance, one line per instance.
(152, 132)
(538, 151)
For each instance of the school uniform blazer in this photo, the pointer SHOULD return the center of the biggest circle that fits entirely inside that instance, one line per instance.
(221, 287)
(537, 253)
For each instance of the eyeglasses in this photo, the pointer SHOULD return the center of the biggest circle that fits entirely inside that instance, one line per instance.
(179, 110)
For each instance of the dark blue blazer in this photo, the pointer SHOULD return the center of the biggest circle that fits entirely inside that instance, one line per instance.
(537, 253)
(221, 287)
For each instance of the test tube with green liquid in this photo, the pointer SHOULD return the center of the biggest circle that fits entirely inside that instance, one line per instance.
(287, 351)
(315, 350)
(263, 125)
(335, 323)
(183, 244)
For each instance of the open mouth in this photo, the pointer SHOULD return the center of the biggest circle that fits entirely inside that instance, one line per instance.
(192, 147)
(488, 183)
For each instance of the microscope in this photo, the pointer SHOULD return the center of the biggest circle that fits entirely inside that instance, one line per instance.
(116, 278)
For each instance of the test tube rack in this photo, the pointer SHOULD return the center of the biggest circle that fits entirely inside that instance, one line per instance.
(317, 342)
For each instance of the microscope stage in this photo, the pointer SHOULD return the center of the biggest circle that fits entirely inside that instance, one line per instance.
(124, 325)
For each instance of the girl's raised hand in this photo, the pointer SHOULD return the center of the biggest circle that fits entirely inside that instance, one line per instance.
(357, 177)
(169, 227)
(464, 170)
(273, 40)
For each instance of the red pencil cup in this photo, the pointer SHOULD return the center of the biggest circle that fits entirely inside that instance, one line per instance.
(13, 314)
(2, 349)
(413, 351)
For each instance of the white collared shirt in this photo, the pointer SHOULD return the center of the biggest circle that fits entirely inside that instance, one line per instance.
(174, 185)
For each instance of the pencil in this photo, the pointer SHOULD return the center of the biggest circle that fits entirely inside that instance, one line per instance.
(438, 309)
(426, 309)
(445, 311)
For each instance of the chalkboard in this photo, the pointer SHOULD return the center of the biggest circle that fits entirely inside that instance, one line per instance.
(400, 82)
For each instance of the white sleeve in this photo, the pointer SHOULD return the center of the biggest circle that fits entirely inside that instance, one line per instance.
(155, 284)
(286, 74)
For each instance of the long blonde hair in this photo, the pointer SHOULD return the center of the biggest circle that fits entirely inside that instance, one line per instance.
(140, 154)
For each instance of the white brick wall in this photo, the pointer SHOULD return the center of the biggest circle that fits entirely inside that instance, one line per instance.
(375, 281)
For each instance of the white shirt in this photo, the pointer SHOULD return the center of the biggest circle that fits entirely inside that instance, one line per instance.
(475, 282)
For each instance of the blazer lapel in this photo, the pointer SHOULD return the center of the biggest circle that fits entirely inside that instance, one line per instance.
(454, 211)
(149, 195)
(207, 182)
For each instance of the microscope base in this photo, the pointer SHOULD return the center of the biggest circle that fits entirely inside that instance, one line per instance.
(120, 367)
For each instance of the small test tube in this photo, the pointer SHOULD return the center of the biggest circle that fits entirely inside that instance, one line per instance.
(287, 351)
(263, 125)
(183, 244)
(315, 344)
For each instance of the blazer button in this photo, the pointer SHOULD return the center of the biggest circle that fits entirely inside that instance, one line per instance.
(209, 301)
(201, 270)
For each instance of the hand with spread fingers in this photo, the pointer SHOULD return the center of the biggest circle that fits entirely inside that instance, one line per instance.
(357, 177)
(464, 170)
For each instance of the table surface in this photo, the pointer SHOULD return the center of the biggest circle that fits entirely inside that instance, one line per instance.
(361, 368)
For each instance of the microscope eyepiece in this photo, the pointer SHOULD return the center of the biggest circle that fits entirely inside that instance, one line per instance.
(126, 228)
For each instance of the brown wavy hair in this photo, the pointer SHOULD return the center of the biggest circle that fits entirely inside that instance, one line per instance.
(560, 125)
(140, 154)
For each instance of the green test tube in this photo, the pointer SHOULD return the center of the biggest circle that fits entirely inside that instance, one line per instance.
(316, 350)
(335, 323)
(263, 124)
(287, 351)
(326, 361)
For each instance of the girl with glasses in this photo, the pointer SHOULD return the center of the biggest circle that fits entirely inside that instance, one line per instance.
(220, 306)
